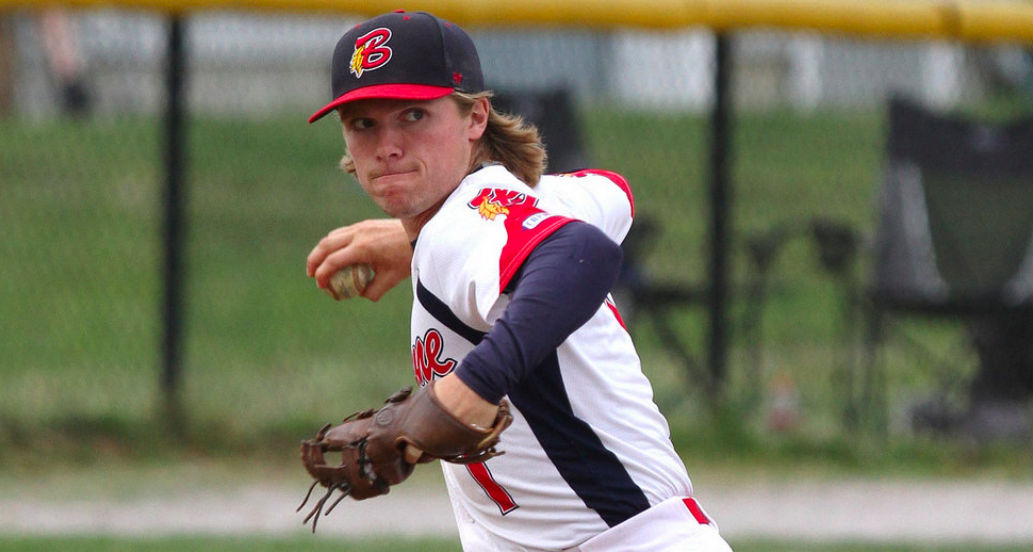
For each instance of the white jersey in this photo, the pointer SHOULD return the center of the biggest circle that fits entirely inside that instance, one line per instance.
(588, 448)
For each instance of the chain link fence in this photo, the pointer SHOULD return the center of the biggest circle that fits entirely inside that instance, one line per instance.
(81, 166)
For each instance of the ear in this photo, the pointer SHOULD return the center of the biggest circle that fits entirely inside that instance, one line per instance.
(479, 118)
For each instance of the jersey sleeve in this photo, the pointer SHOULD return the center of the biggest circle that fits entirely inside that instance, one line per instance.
(560, 286)
(601, 198)
(477, 244)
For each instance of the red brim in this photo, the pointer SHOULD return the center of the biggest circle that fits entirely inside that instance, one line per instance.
(385, 91)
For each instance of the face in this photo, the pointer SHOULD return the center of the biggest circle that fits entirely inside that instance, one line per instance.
(410, 155)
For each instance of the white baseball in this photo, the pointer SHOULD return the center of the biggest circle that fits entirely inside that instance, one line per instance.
(350, 281)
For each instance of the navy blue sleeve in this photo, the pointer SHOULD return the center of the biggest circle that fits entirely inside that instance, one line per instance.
(558, 288)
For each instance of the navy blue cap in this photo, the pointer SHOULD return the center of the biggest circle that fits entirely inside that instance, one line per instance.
(402, 55)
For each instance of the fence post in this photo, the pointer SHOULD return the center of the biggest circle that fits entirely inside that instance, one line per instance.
(172, 229)
(719, 236)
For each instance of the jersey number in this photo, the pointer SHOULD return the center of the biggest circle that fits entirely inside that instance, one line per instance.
(497, 493)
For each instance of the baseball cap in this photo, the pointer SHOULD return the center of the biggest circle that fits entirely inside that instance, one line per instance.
(402, 55)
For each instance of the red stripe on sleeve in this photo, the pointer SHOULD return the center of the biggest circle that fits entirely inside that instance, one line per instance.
(696, 511)
(526, 226)
(617, 179)
(616, 313)
(522, 240)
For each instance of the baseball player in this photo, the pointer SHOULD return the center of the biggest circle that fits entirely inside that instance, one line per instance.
(514, 336)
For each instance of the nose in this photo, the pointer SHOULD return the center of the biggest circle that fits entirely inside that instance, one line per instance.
(389, 144)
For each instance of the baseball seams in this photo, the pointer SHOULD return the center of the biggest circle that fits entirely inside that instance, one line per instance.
(350, 281)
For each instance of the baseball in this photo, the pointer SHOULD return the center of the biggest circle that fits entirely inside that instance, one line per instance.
(350, 281)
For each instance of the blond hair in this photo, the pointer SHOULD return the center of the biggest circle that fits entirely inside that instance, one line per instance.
(508, 139)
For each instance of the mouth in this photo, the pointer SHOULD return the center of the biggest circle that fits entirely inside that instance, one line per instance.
(380, 175)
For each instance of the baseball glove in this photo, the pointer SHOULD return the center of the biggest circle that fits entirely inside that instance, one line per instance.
(372, 444)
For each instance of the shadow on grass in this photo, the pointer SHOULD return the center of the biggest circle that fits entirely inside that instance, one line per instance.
(722, 439)
(92, 440)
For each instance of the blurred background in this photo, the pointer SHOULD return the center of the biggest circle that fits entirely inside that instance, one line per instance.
(831, 269)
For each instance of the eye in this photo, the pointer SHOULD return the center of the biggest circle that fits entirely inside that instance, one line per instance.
(413, 114)
(360, 123)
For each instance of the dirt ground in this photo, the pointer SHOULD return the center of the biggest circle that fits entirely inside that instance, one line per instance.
(896, 510)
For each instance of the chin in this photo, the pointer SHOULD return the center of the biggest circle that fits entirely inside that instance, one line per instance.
(394, 209)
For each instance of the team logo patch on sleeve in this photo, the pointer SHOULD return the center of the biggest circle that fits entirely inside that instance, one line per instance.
(492, 202)
(526, 225)
(491, 209)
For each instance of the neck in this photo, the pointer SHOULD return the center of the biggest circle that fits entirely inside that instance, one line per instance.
(414, 224)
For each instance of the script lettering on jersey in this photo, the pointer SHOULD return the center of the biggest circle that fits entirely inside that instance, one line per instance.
(426, 358)
(491, 202)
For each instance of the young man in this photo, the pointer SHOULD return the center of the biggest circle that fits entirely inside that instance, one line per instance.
(511, 300)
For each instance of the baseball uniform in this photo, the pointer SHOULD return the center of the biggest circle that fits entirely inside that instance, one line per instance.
(588, 449)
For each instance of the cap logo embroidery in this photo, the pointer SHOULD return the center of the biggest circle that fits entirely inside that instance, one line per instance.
(371, 51)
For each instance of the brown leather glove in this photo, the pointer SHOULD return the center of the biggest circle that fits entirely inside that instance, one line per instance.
(372, 444)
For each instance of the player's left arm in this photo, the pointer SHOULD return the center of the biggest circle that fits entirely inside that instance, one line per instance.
(560, 285)
(464, 403)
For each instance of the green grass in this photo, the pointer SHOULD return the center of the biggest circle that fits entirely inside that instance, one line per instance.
(340, 544)
(268, 357)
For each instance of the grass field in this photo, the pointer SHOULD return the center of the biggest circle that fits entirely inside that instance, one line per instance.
(269, 355)
(227, 544)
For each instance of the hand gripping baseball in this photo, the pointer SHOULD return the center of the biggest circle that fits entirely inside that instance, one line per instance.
(372, 445)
